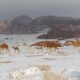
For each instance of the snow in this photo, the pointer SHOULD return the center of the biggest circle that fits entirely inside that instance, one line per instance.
(67, 63)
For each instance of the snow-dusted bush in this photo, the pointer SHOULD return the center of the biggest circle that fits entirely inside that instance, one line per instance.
(33, 73)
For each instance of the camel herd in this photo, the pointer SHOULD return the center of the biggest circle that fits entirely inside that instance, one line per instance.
(43, 44)
(5, 46)
(47, 44)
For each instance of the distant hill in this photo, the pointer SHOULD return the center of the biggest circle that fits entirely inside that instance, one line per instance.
(61, 33)
(4, 25)
(43, 22)
(25, 25)
(19, 24)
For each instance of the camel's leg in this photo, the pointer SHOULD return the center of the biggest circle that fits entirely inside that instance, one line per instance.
(48, 49)
(51, 50)
(57, 50)
(18, 51)
(79, 48)
(14, 51)
(0, 51)
(41, 49)
(7, 50)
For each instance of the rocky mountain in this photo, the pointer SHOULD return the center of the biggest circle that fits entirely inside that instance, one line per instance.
(43, 22)
(19, 24)
(57, 26)
(62, 32)
(4, 25)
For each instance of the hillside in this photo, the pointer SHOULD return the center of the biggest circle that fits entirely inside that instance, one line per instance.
(61, 33)
(19, 24)
(25, 25)
(43, 22)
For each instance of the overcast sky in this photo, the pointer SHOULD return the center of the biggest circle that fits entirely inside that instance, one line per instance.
(35, 8)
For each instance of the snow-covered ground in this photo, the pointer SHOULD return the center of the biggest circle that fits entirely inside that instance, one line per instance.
(67, 62)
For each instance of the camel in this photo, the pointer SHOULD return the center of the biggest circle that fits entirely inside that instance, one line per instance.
(75, 44)
(72, 43)
(24, 44)
(4, 46)
(15, 48)
(69, 43)
(47, 44)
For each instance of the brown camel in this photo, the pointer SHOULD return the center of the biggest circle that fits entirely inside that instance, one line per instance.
(4, 46)
(47, 44)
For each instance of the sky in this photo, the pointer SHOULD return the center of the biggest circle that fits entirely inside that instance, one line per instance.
(35, 8)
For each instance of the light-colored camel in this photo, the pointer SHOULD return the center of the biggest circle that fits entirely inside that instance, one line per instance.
(72, 43)
(75, 44)
(69, 43)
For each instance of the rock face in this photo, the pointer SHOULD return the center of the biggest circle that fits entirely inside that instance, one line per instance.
(4, 25)
(61, 33)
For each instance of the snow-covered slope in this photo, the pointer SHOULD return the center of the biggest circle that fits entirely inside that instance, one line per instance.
(66, 63)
